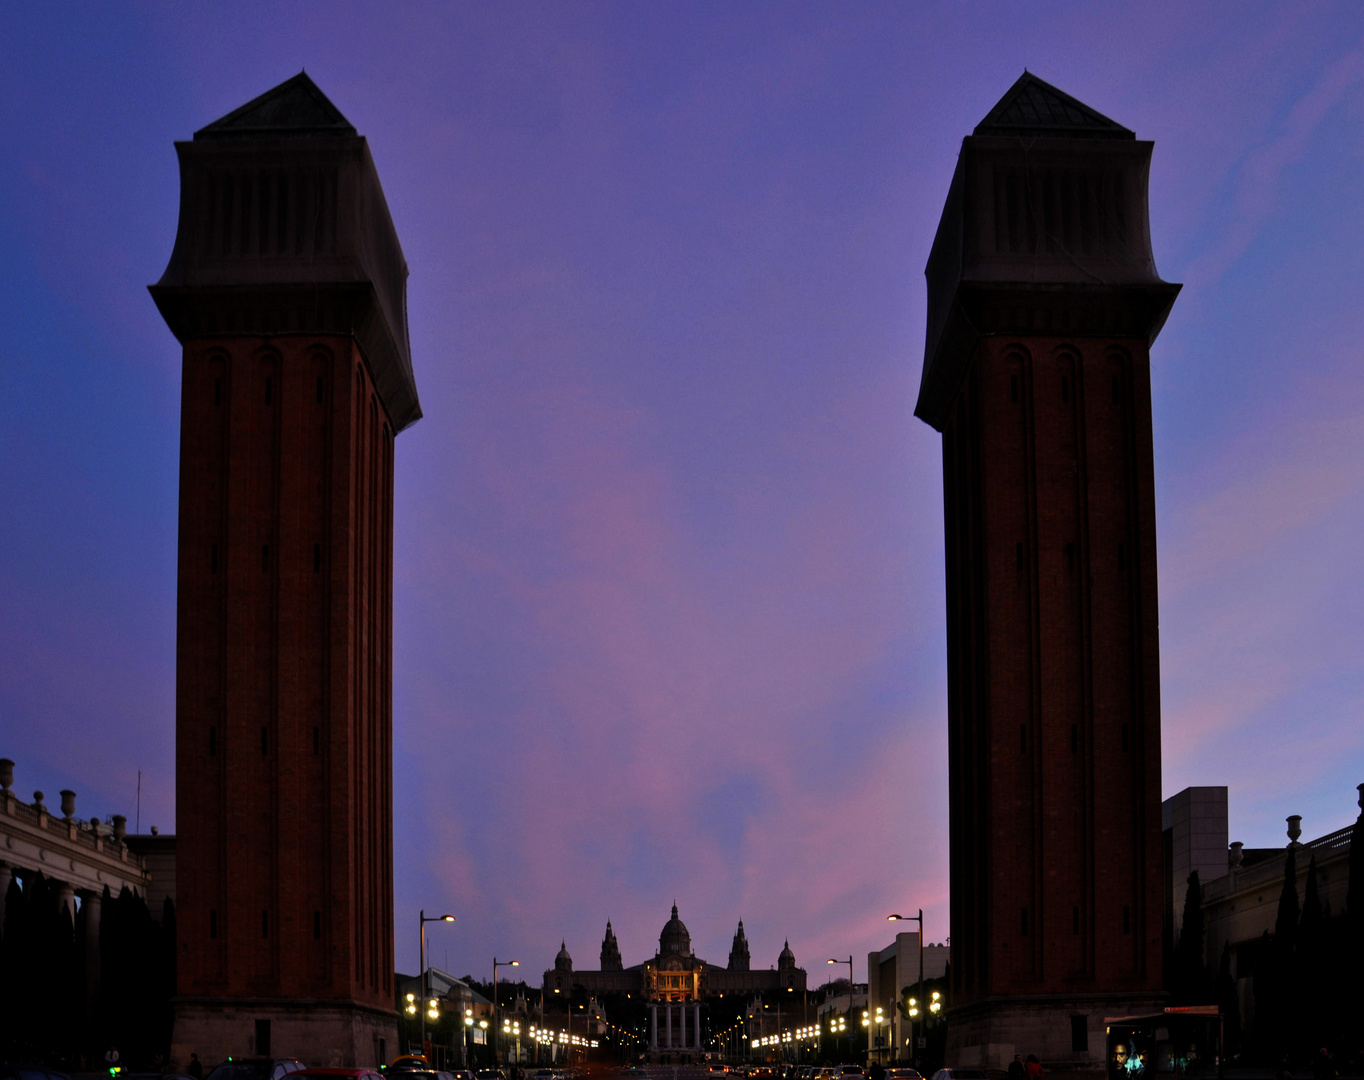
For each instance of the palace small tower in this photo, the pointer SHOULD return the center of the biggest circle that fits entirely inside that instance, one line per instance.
(610, 951)
(738, 952)
(287, 292)
(1043, 303)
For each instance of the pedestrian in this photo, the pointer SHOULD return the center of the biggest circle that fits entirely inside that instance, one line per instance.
(878, 1071)
(1284, 1072)
(194, 1068)
(1016, 1070)
(1033, 1068)
(1324, 1067)
(111, 1059)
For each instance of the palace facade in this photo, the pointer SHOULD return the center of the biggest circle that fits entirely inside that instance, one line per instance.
(674, 973)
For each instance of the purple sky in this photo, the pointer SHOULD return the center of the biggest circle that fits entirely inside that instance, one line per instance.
(669, 600)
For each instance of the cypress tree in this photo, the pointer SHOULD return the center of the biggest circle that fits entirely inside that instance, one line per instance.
(14, 971)
(1287, 970)
(1225, 991)
(1190, 974)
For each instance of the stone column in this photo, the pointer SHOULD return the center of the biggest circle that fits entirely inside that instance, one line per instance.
(66, 898)
(6, 875)
(696, 1025)
(90, 913)
(653, 1028)
(682, 1026)
(668, 1020)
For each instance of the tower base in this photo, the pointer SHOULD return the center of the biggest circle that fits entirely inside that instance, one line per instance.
(316, 1032)
(988, 1034)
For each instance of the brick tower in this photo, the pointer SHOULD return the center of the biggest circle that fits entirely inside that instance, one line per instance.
(287, 292)
(1043, 301)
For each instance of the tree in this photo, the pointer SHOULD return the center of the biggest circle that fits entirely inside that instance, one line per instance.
(1189, 980)
(1227, 1002)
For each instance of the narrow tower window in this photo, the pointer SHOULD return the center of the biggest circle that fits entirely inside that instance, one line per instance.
(1018, 556)
(212, 742)
(317, 558)
(1065, 389)
(264, 741)
(265, 557)
(1013, 388)
(1117, 391)
(218, 391)
(319, 389)
(269, 390)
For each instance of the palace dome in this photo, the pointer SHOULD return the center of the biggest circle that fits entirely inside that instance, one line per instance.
(674, 940)
(563, 962)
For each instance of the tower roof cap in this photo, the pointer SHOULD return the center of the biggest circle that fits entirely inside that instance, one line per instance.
(1034, 107)
(295, 108)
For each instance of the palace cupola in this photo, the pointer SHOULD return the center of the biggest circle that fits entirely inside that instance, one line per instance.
(674, 940)
(787, 960)
(563, 962)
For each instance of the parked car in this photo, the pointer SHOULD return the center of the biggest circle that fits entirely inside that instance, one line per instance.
(337, 1074)
(408, 1062)
(252, 1068)
(30, 1072)
(899, 1073)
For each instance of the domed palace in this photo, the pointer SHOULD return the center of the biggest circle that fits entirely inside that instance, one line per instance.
(674, 977)
(675, 973)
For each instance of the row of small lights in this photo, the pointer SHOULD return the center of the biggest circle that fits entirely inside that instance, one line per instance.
(547, 1037)
(839, 1023)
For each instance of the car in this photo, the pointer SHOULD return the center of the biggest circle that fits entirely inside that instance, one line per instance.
(960, 1074)
(903, 1074)
(30, 1072)
(490, 1074)
(256, 1068)
(409, 1062)
(850, 1072)
(337, 1074)
(154, 1076)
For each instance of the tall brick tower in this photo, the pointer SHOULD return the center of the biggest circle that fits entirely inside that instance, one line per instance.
(287, 291)
(1043, 301)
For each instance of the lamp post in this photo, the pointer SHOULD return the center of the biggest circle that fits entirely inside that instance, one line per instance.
(919, 918)
(497, 964)
(426, 990)
(849, 962)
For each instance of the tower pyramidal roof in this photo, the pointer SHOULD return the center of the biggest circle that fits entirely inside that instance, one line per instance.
(295, 108)
(1033, 107)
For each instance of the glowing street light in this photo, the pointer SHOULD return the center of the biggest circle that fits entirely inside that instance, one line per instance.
(426, 987)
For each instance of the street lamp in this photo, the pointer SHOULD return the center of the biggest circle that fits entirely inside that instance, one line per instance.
(426, 989)
(919, 918)
(497, 964)
(849, 962)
